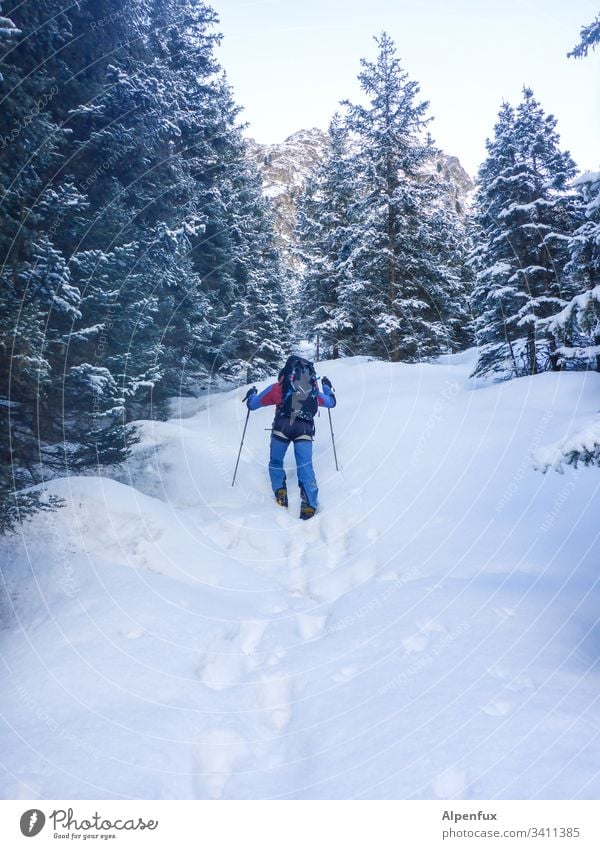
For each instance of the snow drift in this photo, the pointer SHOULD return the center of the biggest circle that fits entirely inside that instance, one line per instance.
(432, 633)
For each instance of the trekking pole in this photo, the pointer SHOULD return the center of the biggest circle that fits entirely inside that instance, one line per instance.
(337, 468)
(243, 437)
(241, 446)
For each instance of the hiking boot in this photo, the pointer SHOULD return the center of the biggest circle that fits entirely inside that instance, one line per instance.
(306, 511)
(281, 496)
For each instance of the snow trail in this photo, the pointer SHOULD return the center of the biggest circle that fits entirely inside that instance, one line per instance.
(431, 633)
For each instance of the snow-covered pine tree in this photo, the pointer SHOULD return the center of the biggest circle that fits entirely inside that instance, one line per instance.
(174, 196)
(577, 326)
(579, 321)
(325, 238)
(253, 327)
(398, 294)
(240, 268)
(37, 296)
(236, 275)
(525, 215)
(124, 135)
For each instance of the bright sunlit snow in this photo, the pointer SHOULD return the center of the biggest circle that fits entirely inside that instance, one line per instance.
(432, 633)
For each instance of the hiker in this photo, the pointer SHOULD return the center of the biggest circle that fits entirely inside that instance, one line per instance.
(297, 398)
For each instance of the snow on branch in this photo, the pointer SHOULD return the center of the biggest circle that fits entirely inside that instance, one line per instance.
(589, 37)
(581, 447)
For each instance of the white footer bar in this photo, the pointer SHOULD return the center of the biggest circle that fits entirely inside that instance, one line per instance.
(302, 824)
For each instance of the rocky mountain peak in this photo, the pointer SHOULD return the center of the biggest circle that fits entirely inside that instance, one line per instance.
(286, 167)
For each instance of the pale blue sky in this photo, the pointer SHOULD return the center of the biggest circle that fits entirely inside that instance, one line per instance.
(290, 62)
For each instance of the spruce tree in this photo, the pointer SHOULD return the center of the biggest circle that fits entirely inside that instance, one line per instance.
(525, 215)
(577, 326)
(252, 332)
(324, 230)
(401, 288)
(579, 321)
(37, 295)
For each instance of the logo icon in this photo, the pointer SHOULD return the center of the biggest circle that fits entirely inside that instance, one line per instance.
(32, 822)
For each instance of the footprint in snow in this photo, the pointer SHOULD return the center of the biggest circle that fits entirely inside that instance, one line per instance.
(132, 633)
(221, 671)
(419, 641)
(372, 534)
(223, 663)
(451, 784)
(334, 534)
(251, 634)
(218, 751)
(310, 626)
(275, 697)
(504, 613)
(344, 674)
(331, 585)
(295, 566)
(498, 707)
(516, 682)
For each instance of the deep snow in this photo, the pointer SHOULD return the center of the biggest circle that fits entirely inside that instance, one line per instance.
(432, 633)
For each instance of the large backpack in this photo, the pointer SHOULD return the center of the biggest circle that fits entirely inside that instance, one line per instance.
(299, 389)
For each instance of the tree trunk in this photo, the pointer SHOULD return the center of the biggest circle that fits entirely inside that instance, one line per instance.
(531, 353)
(393, 353)
(554, 357)
(512, 356)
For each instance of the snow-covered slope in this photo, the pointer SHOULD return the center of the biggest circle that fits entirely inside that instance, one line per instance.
(431, 633)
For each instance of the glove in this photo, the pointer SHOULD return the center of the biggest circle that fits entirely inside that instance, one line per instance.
(326, 383)
(252, 391)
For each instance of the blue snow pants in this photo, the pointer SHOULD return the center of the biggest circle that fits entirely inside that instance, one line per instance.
(300, 433)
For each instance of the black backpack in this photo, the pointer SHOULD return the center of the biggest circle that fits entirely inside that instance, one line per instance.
(299, 389)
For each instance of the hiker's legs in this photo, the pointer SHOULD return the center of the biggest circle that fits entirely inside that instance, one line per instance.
(306, 474)
(276, 470)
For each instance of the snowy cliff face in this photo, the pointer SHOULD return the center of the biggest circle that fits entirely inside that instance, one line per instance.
(286, 167)
(459, 183)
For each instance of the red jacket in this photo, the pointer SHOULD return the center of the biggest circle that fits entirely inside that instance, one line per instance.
(273, 395)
